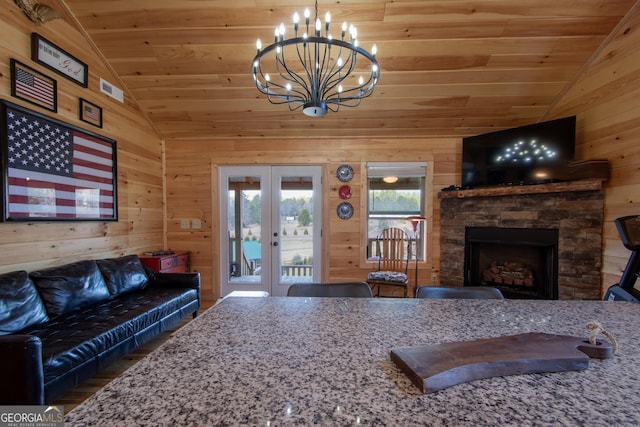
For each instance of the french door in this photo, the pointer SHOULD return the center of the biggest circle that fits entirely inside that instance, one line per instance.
(270, 227)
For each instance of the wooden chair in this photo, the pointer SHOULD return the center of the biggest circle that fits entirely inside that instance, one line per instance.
(456, 292)
(393, 250)
(336, 289)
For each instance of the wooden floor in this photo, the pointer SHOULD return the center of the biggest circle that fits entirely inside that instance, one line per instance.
(82, 392)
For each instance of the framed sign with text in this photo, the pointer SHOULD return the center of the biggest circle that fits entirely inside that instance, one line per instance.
(51, 56)
(52, 170)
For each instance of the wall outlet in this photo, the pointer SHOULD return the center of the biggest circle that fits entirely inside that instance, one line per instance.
(196, 223)
(185, 224)
(434, 277)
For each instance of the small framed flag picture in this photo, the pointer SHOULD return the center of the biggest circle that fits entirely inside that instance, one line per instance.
(90, 113)
(33, 86)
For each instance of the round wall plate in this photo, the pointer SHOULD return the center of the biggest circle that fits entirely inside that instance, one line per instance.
(345, 210)
(344, 173)
(344, 192)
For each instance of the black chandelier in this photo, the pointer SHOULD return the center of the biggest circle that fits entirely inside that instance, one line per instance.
(306, 73)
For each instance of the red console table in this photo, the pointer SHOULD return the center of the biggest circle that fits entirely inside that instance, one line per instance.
(177, 262)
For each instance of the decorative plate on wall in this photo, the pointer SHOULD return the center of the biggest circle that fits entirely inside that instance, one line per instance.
(344, 192)
(344, 173)
(345, 210)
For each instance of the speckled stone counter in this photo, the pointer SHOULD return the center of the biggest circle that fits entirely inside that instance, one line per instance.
(325, 362)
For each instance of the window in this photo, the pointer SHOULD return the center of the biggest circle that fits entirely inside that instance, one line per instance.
(396, 191)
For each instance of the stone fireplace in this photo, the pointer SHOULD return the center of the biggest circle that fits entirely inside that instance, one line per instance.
(540, 241)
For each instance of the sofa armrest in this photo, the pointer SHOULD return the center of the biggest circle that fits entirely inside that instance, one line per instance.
(21, 370)
(175, 280)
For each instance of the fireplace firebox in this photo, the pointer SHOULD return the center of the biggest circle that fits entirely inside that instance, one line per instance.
(521, 262)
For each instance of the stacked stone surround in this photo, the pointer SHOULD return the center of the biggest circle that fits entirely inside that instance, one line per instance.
(575, 209)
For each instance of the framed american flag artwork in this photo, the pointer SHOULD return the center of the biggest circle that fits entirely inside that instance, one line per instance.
(52, 170)
(32, 86)
(90, 113)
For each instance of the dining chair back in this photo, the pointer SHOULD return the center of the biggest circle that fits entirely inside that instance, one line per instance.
(393, 251)
(459, 292)
(327, 289)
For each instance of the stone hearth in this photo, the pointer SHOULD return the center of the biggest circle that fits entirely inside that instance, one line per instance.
(574, 208)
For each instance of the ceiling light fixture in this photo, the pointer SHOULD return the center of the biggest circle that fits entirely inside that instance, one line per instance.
(309, 71)
(390, 179)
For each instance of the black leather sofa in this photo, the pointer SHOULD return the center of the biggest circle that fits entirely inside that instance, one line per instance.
(61, 325)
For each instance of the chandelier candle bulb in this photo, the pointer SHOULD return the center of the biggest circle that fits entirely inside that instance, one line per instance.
(313, 72)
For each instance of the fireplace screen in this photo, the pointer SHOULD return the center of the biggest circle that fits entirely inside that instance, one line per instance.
(522, 263)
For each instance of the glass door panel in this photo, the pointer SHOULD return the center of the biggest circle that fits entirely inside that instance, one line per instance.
(241, 232)
(296, 220)
(245, 229)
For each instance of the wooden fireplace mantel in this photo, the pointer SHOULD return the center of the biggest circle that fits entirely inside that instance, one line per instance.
(512, 190)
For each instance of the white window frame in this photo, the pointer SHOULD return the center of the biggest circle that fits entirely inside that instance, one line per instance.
(403, 170)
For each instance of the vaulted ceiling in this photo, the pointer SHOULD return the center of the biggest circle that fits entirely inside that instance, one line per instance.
(448, 67)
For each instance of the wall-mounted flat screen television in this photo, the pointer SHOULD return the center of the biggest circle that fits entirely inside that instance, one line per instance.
(524, 155)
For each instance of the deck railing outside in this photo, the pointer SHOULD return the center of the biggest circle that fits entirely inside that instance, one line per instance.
(297, 270)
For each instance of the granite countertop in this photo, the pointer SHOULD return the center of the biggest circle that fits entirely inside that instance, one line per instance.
(281, 361)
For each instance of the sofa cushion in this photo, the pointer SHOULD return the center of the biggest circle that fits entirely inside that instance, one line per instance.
(20, 304)
(74, 339)
(123, 274)
(70, 287)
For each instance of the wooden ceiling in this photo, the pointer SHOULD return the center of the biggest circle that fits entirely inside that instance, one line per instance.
(448, 67)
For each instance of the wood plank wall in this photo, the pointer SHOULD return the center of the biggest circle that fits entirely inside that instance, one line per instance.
(606, 100)
(192, 168)
(33, 245)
